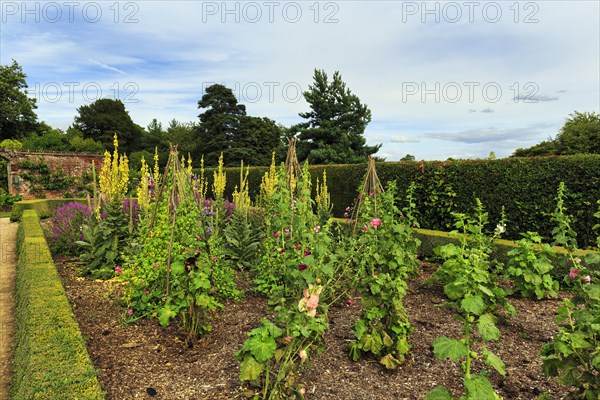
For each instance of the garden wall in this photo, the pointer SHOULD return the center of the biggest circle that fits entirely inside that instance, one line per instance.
(50, 358)
(40, 174)
(526, 187)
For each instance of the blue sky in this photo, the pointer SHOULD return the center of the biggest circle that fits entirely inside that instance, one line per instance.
(442, 79)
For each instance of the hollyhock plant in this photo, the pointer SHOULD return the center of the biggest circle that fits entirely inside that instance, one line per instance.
(310, 301)
(573, 273)
(375, 222)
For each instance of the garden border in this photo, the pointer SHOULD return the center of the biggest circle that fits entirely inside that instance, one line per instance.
(44, 207)
(50, 357)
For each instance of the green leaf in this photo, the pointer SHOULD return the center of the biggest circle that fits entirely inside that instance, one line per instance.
(479, 388)
(165, 314)
(354, 351)
(250, 369)
(578, 340)
(453, 349)
(262, 348)
(487, 327)
(177, 267)
(439, 393)
(493, 361)
(389, 362)
(473, 305)
(569, 376)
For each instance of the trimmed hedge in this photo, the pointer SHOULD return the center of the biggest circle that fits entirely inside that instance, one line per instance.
(526, 187)
(50, 358)
(44, 207)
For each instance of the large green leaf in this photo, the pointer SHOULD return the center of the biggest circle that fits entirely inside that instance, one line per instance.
(250, 369)
(479, 388)
(453, 349)
(262, 348)
(439, 393)
(389, 362)
(493, 361)
(473, 305)
(177, 267)
(165, 314)
(487, 327)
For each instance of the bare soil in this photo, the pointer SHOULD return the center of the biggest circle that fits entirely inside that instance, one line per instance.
(144, 360)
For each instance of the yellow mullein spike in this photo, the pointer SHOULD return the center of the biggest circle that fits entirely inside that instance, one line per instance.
(156, 172)
(189, 165)
(142, 192)
(219, 181)
(114, 175)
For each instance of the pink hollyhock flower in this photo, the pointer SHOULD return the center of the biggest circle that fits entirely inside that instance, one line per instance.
(297, 246)
(587, 279)
(375, 222)
(276, 234)
(146, 292)
(155, 265)
(365, 228)
(214, 258)
(303, 355)
(281, 251)
(317, 228)
(302, 267)
(350, 303)
(130, 311)
(310, 301)
(307, 252)
(118, 270)
(573, 274)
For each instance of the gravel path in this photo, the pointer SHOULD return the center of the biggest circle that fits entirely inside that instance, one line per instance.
(8, 261)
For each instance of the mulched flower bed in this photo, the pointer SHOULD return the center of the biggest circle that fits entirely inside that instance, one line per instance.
(146, 361)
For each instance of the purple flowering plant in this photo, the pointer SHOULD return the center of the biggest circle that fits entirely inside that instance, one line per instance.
(66, 228)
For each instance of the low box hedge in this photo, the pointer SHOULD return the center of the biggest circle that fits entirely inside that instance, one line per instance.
(44, 207)
(50, 358)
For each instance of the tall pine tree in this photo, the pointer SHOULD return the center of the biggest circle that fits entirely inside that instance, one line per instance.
(333, 132)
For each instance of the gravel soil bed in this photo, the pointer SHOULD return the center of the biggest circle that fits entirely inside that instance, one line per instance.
(146, 361)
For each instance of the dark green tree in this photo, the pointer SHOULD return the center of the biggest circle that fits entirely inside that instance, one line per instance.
(17, 118)
(333, 132)
(103, 118)
(579, 135)
(255, 140)
(219, 122)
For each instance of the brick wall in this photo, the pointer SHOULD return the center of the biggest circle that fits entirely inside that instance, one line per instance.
(73, 165)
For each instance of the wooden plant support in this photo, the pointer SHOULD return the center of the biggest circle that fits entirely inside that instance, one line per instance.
(371, 187)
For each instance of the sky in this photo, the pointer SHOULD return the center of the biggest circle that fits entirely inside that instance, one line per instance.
(443, 79)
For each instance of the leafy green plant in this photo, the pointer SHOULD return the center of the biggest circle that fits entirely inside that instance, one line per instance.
(472, 313)
(274, 352)
(387, 257)
(530, 268)
(7, 200)
(467, 270)
(471, 285)
(243, 234)
(574, 354)
(103, 243)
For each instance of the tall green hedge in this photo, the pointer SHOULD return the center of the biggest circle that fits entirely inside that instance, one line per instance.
(526, 187)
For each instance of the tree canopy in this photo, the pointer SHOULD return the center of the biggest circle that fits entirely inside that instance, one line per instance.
(580, 134)
(103, 118)
(17, 118)
(225, 128)
(334, 127)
